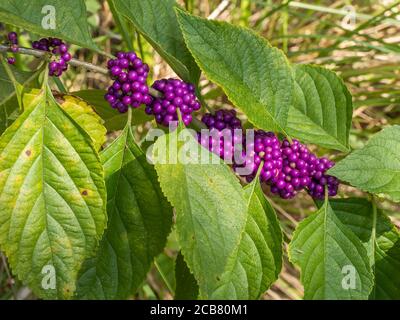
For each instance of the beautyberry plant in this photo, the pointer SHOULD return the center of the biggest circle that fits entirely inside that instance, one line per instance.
(191, 148)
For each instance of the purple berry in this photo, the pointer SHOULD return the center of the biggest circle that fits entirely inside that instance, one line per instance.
(12, 37)
(319, 180)
(14, 48)
(63, 48)
(11, 60)
(126, 100)
(55, 42)
(116, 70)
(66, 57)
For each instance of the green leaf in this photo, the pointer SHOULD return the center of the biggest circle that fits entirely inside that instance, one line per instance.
(165, 35)
(8, 100)
(326, 251)
(70, 19)
(9, 111)
(82, 113)
(186, 285)
(86, 117)
(209, 202)
(139, 222)
(375, 167)
(256, 77)
(381, 239)
(322, 108)
(259, 259)
(52, 197)
(113, 119)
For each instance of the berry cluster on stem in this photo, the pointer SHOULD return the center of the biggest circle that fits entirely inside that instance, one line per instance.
(162, 100)
(13, 41)
(129, 88)
(175, 94)
(287, 167)
(60, 56)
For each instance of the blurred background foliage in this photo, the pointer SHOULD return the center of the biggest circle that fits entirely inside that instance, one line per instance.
(360, 40)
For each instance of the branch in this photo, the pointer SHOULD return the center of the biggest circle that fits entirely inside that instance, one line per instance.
(46, 55)
(73, 62)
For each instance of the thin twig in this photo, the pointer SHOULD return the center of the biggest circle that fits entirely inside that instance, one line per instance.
(46, 55)
(283, 212)
(73, 62)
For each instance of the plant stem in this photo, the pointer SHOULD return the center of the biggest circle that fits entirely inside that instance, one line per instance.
(73, 62)
(46, 55)
(130, 116)
(59, 84)
(163, 276)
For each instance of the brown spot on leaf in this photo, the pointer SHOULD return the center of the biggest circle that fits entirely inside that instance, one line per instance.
(58, 96)
(84, 192)
(28, 152)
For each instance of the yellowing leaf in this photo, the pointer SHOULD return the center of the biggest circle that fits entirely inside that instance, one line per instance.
(81, 112)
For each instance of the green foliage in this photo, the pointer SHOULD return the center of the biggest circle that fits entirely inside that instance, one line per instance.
(113, 119)
(157, 22)
(186, 285)
(381, 239)
(8, 99)
(139, 222)
(101, 221)
(209, 223)
(322, 108)
(255, 76)
(259, 259)
(375, 167)
(82, 113)
(52, 196)
(70, 19)
(326, 251)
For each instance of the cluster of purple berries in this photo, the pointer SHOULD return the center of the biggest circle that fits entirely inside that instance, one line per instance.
(266, 149)
(129, 88)
(295, 169)
(59, 49)
(175, 94)
(319, 179)
(287, 167)
(13, 40)
(216, 141)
